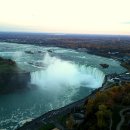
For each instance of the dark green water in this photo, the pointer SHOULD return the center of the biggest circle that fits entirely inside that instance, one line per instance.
(61, 76)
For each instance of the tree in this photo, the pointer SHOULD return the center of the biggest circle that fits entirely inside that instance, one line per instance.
(101, 98)
(90, 106)
(70, 122)
(126, 99)
(102, 115)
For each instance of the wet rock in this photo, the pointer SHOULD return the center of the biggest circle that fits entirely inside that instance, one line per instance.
(29, 52)
(50, 51)
(7, 61)
(104, 65)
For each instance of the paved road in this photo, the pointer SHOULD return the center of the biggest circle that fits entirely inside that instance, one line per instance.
(122, 118)
(51, 115)
(110, 123)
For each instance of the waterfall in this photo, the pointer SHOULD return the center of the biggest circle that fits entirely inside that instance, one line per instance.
(59, 74)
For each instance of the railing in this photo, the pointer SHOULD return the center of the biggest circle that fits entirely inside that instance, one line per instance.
(59, 112)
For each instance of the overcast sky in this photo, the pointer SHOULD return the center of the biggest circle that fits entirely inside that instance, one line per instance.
(66, 16)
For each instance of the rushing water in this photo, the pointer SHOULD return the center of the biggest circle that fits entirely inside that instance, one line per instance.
(61, 75)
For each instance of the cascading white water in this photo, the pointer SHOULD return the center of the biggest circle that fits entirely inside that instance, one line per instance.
(63, 82)
(59, 74)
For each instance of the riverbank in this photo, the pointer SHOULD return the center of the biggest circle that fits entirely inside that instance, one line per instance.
(52, 116)
(37, 123)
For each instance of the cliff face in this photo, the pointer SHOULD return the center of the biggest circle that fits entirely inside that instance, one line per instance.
(10, 82)
(11, 77)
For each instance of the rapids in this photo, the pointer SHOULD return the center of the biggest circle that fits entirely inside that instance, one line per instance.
(58, 77)
(59, 73)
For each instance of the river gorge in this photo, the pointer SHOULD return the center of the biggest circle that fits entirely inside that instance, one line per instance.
(58, 77)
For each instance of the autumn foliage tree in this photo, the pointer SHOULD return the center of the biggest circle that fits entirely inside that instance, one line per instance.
(102, 115)
(70, 122)
(100, 106)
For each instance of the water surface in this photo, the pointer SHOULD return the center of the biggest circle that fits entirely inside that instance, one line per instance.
(61, 75)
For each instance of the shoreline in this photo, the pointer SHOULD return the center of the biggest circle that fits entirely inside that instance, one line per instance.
(36, 123)
(46, 117)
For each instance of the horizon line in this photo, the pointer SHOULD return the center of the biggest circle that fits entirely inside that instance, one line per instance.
(62, 33)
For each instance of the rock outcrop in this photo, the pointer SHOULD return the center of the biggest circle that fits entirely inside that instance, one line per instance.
(104, 65)
(11, 77)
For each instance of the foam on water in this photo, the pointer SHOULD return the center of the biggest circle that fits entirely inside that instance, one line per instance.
(60, 81)
(60, 73)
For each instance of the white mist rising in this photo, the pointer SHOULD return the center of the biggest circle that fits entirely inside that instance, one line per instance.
(59, 74)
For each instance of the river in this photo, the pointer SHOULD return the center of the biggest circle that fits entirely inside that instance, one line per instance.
(61, 76)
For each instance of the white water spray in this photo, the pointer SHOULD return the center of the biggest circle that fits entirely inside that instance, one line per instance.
(59, 74)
